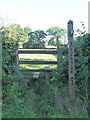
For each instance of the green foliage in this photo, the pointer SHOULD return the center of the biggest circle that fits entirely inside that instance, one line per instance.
(15, 34)
(12, 36)
(12, 91)
(56, 31)
(36, 39)
(81, 64)
(20, 107)
(53, 32)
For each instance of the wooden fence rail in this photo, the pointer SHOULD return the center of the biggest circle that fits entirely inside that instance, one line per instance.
(37, 62)
(37, 70)
(36, 52)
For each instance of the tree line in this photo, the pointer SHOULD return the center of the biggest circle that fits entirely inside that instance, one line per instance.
(26, 38)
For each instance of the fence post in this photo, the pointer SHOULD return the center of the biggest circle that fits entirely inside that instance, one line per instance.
(58, 54)
(71, 61)
(17, 59)
(71, 68)
(17, 72)
(47, 73)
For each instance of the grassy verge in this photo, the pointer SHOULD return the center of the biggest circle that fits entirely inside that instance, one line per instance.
(21, 107)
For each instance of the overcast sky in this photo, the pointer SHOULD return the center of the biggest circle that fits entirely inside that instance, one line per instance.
(42, 14)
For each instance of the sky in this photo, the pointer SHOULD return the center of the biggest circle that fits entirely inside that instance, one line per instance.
(43, 14)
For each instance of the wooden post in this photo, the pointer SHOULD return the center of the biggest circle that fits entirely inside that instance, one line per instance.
(17, 59)
(17, 55)
(58, 53)
(71, 61)
(17, 71)
(47, 73)
(71, 69)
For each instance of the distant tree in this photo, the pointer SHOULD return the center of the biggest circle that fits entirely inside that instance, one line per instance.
(53, 32)
(14, 34)
(27, 30)
(37, 39)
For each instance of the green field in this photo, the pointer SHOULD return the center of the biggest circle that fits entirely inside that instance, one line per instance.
(37, 57)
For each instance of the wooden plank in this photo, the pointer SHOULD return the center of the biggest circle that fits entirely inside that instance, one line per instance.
(36, 52)
(37, 62)
(36, 49)
(37, 70)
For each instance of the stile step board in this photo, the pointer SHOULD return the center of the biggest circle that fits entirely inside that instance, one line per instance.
(36, 75)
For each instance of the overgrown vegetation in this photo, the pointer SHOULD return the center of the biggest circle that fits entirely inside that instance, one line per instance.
(42, 98)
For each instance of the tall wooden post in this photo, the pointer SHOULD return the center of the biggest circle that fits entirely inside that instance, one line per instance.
(71, 61)
(71, 69)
